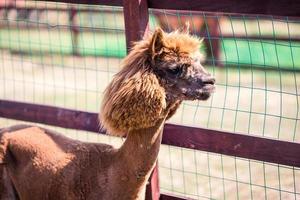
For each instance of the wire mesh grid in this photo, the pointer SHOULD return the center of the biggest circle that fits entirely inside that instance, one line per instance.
(65, 55)
(256, 68)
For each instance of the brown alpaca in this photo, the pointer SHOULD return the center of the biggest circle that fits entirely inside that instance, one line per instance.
(157, 75)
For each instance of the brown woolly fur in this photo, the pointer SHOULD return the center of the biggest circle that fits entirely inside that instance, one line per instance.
(135, 99)
(160, 72)
(181, 42)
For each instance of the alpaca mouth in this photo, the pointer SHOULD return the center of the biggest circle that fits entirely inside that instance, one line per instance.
(205, 92)
(202, 93)
(210, 88)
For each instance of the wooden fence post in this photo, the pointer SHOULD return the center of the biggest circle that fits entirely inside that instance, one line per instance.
(74, 30)
(152, 190)
(213, 46)
(136, 18)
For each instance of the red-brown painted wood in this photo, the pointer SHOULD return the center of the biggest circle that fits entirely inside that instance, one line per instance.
(90, 2)
(153, 191)
(172, 197)
(232, 144)
(49, 115)
(277, 8)
(136, 18)
(74, 30)
(154, 11)
(213, 44)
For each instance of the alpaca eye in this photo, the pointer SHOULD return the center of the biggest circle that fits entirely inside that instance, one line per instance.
(174, 71)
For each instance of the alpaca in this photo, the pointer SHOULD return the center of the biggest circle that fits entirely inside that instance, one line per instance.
(160, 72)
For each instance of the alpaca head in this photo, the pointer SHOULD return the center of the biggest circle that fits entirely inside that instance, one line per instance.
(176, 62)
(160, 72)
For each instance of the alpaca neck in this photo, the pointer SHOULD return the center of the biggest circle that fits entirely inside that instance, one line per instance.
(142, 146)
(138, 155)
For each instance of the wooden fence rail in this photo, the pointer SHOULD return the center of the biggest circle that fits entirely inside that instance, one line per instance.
(226, 143)
(285, 8)
(136, 25)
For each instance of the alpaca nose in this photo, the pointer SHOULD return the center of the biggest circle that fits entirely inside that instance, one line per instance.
(208, 80)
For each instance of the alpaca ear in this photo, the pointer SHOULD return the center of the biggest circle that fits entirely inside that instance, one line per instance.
(157, 41)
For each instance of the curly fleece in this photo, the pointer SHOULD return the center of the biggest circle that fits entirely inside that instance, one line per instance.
(135, 98)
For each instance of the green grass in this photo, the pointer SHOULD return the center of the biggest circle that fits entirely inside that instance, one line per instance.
(60, 42)
(110, 44)
(265, 53)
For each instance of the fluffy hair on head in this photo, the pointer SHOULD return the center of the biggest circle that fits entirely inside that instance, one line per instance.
(134, 99)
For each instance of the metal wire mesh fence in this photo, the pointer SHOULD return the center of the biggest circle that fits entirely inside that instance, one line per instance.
(258, 78)
(65, 55)
(257, 93)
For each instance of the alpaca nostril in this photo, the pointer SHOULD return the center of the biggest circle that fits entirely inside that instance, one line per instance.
(208, 80)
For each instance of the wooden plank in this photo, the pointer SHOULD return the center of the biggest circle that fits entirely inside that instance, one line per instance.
(49, 115)
(74, 30)
(164, 12)
(136, 18)
(89, 2)
(277, 8)
(164, 196)
(232, 144)
(30, 8)
(153, 189)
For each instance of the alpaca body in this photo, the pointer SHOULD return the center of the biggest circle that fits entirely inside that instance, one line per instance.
(159, 73)
(57, 167)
